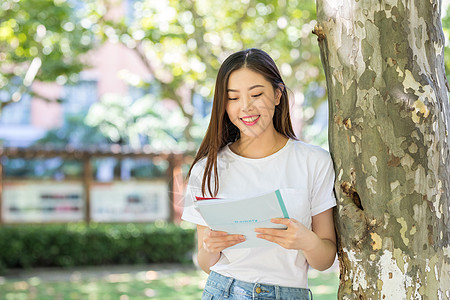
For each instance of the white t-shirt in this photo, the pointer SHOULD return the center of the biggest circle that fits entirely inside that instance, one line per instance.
(305, 176)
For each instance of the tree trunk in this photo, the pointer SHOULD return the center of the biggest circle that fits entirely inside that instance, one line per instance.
(389, 124)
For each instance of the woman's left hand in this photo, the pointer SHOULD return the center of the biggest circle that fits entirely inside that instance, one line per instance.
(295, 236)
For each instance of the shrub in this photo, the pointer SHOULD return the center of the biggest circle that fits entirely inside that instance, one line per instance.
(65, 245)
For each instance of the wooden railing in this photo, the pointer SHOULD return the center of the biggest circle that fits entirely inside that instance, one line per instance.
(173, 175)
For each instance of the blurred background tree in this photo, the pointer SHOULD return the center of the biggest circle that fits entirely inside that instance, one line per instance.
(180, 43)
(40, 40)
(124, 121)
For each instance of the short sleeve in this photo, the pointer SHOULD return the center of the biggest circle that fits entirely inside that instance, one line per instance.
(322, 192)
(193, 188)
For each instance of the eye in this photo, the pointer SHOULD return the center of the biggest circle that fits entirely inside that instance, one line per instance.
(256, 96)
(229, 98)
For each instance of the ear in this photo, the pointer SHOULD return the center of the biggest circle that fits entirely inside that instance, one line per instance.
(279, 93)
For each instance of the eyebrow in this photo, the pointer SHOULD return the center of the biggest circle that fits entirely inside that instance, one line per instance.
(251, 88)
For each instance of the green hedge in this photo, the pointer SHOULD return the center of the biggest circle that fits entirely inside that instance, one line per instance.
(27, 246)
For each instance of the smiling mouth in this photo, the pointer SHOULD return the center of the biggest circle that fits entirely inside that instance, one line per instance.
(251, 120)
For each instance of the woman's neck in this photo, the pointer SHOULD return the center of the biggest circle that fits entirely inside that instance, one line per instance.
(259, 147)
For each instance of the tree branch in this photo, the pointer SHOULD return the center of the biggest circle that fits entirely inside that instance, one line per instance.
(144, 59)
(32, 94)
(200, 32)
(275, 34)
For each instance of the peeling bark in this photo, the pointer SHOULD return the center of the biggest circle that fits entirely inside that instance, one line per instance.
(389, 125)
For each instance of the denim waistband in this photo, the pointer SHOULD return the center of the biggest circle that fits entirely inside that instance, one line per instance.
(233, 288)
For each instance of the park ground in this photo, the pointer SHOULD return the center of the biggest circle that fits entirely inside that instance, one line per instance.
(129, 282)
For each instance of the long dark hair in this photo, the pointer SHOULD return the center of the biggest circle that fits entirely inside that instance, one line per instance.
(221, 131)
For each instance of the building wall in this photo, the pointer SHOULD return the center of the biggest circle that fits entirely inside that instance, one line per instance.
(45, 114)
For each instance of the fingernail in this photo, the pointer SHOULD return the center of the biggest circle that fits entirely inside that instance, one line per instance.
(242, 238)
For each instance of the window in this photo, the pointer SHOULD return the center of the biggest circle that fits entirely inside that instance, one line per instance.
(130, 10)
(202, 106)
(79, 97)
(136, 93)
(16, 113)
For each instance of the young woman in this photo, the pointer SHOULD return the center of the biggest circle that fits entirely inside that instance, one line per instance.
(249, 149)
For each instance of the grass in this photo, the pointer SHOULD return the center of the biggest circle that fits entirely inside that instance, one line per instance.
(142, 282)
(324, 285)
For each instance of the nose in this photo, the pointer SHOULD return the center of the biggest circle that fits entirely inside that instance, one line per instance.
(246, 104)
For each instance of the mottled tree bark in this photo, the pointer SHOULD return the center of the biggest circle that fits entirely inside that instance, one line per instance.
(389, 125)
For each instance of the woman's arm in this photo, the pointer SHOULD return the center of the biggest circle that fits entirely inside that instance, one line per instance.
(322, 250)
(211, 243)
(318, 244)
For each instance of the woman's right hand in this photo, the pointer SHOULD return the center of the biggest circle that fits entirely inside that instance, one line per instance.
(216, 241)
(211, 243)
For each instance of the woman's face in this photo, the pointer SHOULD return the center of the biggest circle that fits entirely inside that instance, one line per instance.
(251, 102)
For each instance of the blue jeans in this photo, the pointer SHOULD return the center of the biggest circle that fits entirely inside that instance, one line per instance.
(223, 287)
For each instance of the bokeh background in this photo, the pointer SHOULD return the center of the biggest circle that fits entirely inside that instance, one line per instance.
(104, 102)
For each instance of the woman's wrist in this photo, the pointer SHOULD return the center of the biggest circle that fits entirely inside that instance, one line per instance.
(321, 254)
(207, 259)
(314, 243)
